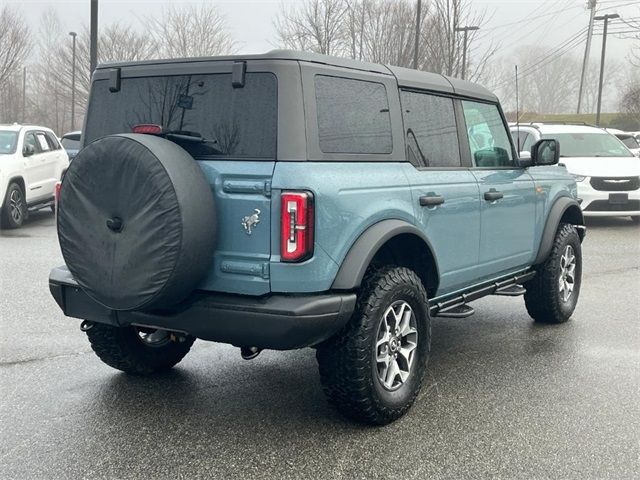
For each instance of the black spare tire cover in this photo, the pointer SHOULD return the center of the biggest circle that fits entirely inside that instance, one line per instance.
(136, 222)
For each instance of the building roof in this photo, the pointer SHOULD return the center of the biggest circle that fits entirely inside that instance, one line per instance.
(406, 77)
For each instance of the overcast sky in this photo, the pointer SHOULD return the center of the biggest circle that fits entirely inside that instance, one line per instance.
(251, 21)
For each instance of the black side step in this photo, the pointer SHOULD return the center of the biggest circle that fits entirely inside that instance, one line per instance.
(512, 291)
(453, 307)
(461, 311)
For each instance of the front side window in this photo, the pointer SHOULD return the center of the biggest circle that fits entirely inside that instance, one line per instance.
(238, 123)
(488, 139)
(353, 116)
(30, 139)
(431, 132)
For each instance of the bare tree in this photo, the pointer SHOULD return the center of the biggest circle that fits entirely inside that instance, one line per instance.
(315, 26)
(15, 43)
(190, 31)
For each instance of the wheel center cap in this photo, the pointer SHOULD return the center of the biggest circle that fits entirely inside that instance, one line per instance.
(393, 344)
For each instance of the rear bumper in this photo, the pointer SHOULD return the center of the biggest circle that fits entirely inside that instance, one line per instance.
(280, 322)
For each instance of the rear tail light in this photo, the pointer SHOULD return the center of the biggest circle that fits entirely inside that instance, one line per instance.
(148, 128)
(296, 217)
(56, 194)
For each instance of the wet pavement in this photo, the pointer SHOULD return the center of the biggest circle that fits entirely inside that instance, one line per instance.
(504, 398)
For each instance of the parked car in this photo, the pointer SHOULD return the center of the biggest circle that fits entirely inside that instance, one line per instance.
(32, 161)
(607, 173)
(292, 200)
(71, 143)
(628, 138)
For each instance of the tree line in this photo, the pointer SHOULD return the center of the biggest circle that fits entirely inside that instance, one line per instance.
(381, 31)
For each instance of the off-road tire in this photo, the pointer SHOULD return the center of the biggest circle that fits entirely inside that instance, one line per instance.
(6, 220)
(347, 364)
(121, 348)
(543, 297)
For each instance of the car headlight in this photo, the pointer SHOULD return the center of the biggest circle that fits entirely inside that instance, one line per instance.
(579, 178)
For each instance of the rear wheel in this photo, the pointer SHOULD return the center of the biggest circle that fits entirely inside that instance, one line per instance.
(552, 294)
(372, 370)
(14, 210)
(137, 350)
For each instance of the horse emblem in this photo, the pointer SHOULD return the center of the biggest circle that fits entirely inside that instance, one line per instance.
(250, 221)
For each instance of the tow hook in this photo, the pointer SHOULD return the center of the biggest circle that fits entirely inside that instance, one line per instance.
(249, 353)
(86, 325)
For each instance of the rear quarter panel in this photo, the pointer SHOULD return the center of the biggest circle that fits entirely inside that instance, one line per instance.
(349, 198)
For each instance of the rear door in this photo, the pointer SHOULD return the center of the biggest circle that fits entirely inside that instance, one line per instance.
(445, 192)
(507, 192)
(35, 167)
(237, 121)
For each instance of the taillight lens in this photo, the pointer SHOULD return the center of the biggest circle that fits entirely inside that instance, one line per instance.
(148, 128)
(296, 240)
(56, 194)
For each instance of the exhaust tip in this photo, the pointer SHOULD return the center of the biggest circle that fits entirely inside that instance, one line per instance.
(249, 353)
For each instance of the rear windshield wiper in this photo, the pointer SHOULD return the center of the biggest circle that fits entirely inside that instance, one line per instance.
(192, 137)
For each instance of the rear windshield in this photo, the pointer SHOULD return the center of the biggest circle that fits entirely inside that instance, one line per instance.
(234, 122)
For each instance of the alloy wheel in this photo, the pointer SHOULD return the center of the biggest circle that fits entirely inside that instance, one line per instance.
(16, 205)
(567, 278)
(396, 344)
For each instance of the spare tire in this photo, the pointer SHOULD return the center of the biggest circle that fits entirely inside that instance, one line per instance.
(136, 222)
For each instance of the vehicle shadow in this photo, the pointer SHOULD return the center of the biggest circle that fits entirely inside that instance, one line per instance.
(609, 222)
(37, 218)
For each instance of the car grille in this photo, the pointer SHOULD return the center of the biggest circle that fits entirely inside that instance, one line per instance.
(620, 184)
(605, 206)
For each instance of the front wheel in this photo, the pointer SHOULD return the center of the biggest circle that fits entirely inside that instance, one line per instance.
(14, 210)
(552, 295)
(372, 370)
(137, 350)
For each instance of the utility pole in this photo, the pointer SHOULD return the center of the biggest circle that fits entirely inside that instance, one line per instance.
(604, 48)
(416, 47)
(73, 81)
(585, 62)
(361, 30)
(464, 46)
(24, 94)
(93, 48)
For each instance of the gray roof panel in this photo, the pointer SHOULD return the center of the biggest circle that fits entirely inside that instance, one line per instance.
(410, 78)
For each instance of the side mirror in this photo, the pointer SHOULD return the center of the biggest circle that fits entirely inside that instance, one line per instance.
(28, 150)
(545, 152)
(524, 159)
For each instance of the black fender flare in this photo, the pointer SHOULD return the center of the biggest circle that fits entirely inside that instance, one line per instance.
(363, 250)
(558, 210)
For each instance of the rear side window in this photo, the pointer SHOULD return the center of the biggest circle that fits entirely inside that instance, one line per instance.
(238, 123)
(488, 138)
(52, 141)
(353, 116)
(431, 132)
(42, 142)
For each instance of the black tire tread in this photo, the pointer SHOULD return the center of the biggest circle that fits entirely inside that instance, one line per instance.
(540, 298)
(119, 348)
(344, 360)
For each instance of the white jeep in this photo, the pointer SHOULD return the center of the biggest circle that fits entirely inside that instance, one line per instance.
(32, 161)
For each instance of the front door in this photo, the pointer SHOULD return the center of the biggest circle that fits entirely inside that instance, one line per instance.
(445, 194)
(507, 192)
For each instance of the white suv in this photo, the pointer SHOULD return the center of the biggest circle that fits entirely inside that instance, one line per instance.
(32, 161)
(606, 172)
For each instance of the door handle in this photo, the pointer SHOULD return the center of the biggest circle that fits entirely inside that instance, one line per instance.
(493, 195)
(431, 200)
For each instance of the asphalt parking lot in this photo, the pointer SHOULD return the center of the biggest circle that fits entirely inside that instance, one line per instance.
(504, 398)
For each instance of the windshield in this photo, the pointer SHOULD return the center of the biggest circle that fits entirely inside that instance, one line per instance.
(70, 143)
(589, 145)
(8, 141)
(629, 141)
(233, 122)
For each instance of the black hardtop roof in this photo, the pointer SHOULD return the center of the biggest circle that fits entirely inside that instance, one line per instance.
(406, 77)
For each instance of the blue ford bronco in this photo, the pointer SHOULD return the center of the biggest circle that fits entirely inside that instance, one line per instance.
(292, 200)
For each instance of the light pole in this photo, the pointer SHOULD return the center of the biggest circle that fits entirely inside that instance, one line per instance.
(604, 48)
(417, 41)
(73, 81)
(93, 44)
(464, 46)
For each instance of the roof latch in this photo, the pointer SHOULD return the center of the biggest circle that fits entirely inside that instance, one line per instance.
(114, 80)
(238, 73)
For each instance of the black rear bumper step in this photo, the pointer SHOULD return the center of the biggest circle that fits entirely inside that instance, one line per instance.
(276, 321)
(452, 307)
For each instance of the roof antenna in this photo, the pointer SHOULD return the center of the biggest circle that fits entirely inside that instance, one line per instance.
(517, 113)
